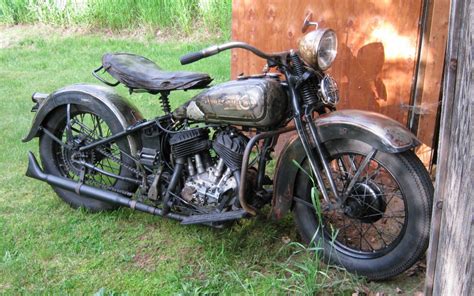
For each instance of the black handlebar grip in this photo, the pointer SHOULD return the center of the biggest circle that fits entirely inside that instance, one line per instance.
(191, 57)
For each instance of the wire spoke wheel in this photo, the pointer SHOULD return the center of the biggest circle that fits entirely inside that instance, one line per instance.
(85, 129)
(373, 217)
(381, 228)
(108, 166)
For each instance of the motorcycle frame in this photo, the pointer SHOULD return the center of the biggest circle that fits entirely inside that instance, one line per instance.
(301, 114)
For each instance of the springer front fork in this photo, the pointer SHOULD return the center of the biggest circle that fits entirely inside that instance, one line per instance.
(321, 160)
(318, 157)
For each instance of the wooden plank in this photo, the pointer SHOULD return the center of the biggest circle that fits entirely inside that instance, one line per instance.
(451, 251)
(377, 45)
(429, 76)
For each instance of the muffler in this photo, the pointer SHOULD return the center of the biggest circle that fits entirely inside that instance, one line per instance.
(34, 171)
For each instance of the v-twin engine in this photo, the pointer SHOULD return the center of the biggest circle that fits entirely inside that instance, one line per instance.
(209, 187)
(210, 182)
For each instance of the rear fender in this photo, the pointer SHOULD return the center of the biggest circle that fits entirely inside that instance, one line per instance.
(96, 96)
(377, 130)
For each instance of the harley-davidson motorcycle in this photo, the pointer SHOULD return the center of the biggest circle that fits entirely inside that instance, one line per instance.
(355, 187)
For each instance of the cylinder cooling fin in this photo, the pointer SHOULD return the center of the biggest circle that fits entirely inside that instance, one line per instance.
(230, 146)
(189, 142)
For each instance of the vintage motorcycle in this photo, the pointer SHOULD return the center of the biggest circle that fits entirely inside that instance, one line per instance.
(350, 177)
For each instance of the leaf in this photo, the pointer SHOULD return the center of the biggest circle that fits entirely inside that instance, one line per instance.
(285, 239)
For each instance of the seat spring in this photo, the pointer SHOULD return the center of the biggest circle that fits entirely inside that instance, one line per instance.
(165, 103)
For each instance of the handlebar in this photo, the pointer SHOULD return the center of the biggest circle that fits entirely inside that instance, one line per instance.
(215, 49)
(191, 57)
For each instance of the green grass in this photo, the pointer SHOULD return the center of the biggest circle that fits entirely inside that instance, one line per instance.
(47, 247)
(185, 16)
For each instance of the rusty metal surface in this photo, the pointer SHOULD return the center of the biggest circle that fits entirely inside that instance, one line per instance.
(245, 160)
(376, 129)
(125, 112)
(252, 102)
(285, 176)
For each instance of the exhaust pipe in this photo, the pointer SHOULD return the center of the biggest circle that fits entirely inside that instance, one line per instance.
(34, 171)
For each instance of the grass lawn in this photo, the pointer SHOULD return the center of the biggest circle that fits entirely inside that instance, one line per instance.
(46, 247)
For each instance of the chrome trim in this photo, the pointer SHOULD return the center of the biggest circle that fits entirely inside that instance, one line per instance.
(308, 48)
(39, 97)
(329, 92)
(307, 23)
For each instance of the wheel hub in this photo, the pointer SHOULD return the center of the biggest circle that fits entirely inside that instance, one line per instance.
(73, 157)
(365, 203)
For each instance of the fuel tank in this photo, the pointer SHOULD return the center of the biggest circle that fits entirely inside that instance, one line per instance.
(252, 102)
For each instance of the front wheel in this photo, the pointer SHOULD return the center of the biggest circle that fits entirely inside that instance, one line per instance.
(382, 228)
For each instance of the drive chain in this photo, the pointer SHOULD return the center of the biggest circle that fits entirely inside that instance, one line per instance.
(120, 162)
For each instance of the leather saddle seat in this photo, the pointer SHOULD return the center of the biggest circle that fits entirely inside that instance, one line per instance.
(137, 72)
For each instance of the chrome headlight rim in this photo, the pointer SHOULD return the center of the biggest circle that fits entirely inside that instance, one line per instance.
(329, 91)
(310, 48)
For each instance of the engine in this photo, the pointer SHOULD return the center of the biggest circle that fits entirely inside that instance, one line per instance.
(209, 187)
(210, 181)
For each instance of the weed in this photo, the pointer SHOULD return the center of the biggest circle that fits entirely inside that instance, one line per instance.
(14, 11)
(186, 16)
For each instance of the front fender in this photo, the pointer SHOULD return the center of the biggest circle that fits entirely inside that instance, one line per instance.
(96, 95)
(375, 129)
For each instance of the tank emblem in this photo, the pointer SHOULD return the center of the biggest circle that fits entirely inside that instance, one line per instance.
(236, 102)
(247, 102)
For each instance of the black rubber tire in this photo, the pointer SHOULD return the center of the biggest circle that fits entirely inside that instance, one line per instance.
(416, 186)
(55, 123)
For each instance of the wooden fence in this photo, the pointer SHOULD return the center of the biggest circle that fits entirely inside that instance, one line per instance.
(450, 254)
(390, 57)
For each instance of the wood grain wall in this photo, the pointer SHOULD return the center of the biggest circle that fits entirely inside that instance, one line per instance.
(450, 255)
(429, 76)
(378, 47)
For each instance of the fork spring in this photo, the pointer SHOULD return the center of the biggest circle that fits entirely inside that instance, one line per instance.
(308, 90)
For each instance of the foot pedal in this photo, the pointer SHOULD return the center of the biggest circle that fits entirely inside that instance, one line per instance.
(215, 217)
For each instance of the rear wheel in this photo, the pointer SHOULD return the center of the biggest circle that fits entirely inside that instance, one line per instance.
(95, 167)
(382, 228)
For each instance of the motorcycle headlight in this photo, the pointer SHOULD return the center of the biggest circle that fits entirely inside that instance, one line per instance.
(319, 48)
